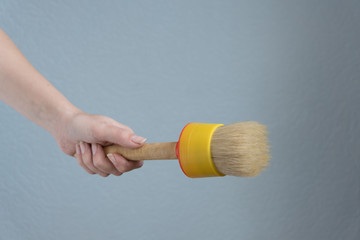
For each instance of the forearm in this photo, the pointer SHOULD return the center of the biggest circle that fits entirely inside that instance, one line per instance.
(28, 92)
(23, 88)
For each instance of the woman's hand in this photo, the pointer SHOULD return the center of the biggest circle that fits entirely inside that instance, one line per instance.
(29, 93)
(86, 134)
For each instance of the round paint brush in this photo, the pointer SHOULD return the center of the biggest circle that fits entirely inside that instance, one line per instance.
(209, 150)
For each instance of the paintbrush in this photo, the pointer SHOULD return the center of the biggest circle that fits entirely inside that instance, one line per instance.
(208, 150)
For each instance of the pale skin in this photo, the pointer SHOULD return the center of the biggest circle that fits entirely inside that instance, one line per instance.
(77, 133)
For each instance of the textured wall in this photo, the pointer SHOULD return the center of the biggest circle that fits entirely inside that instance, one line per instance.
(157, 65)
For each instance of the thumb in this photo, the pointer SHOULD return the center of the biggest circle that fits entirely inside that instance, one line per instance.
(123, 137)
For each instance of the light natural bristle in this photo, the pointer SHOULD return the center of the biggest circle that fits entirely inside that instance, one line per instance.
(240, 149)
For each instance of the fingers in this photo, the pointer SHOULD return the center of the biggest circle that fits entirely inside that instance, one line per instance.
(122, 164)
(87, 159)
(92, 158)
(80, 161)
(101, 162)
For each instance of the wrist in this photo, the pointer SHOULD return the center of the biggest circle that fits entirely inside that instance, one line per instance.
(63, 118)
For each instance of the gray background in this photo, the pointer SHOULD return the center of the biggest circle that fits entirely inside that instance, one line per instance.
(157, 65)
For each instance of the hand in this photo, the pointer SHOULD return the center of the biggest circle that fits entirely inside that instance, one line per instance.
(85, 134)
(28, 92)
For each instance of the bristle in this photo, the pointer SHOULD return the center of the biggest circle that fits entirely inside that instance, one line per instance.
(240, 149)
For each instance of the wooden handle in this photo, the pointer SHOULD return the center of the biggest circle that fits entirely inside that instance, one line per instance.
(150, 151)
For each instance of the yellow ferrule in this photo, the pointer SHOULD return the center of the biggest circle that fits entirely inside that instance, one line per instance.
(194, 150)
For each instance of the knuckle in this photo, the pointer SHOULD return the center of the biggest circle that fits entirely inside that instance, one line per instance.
(89, 171)
(126, 166)
(87, 164)
(81, 163)
(139, 164)
(117, 174)
(123, 133)
(100, 164)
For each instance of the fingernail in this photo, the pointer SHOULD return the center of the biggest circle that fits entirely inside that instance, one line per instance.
(111, 157)
(138, 139)
(93, 148)
(77, 149)
(82, 147)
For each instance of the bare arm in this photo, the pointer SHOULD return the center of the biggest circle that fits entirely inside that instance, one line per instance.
(23, 88)
(27, 91)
